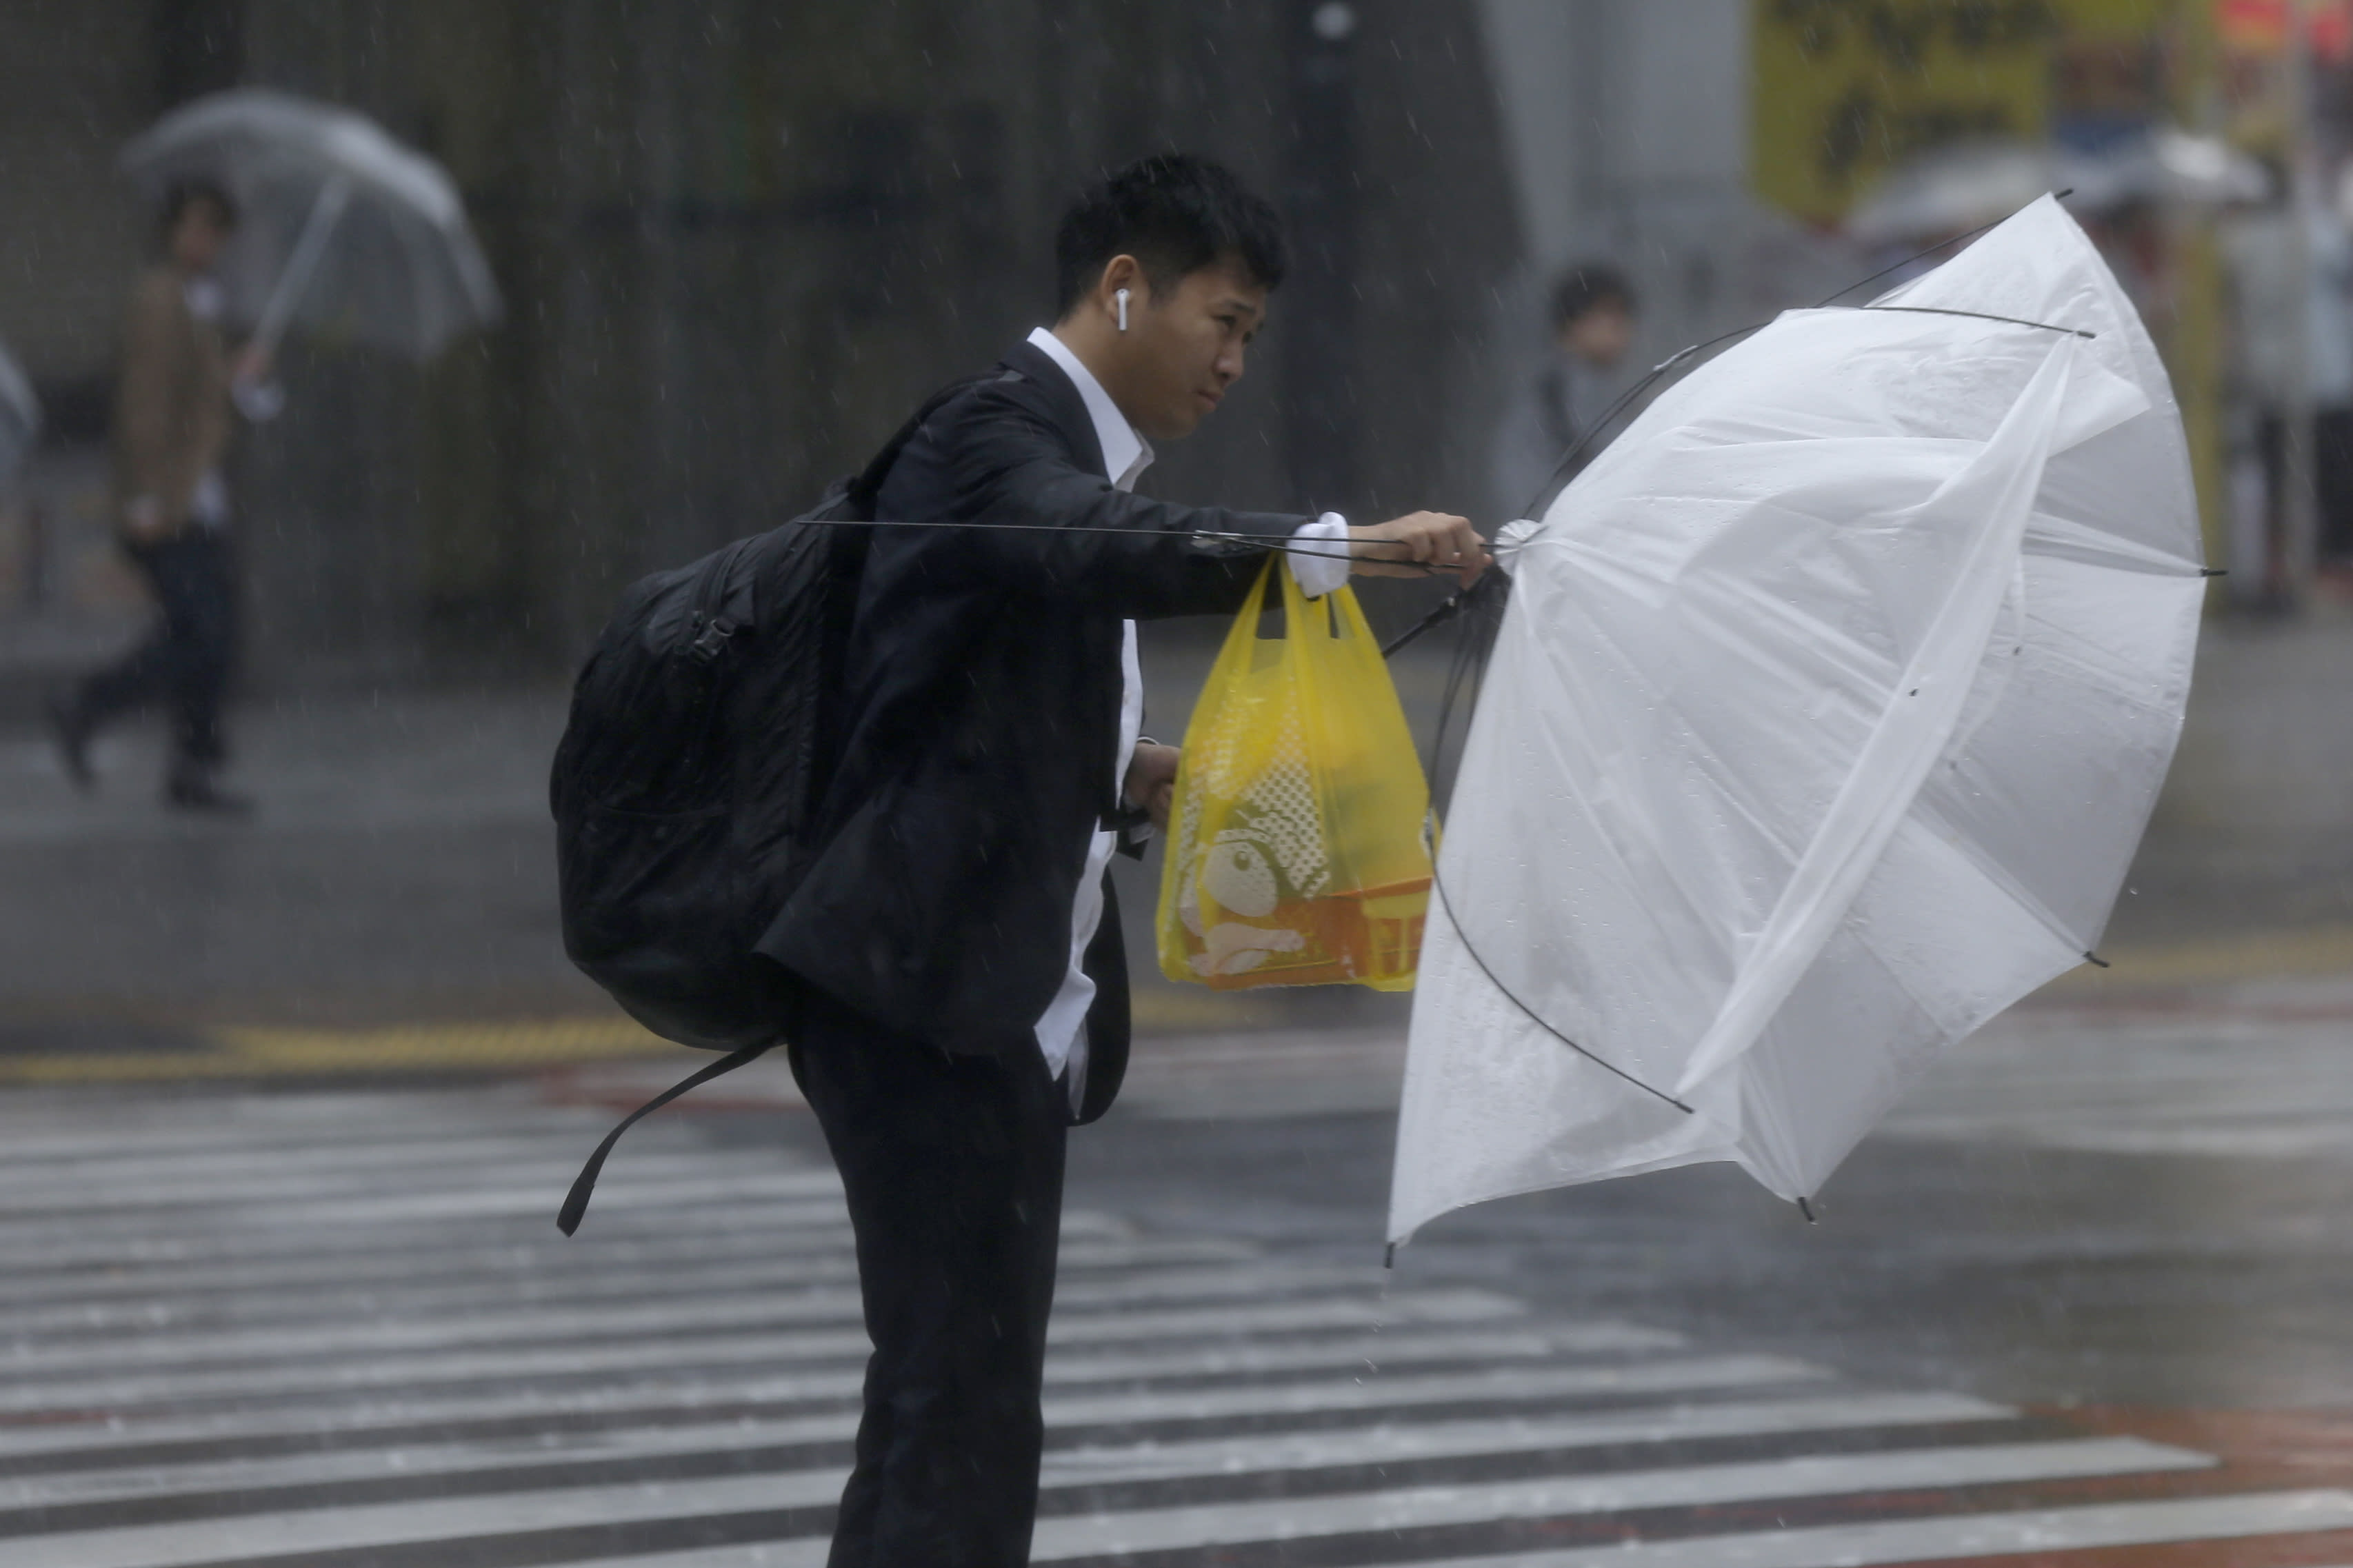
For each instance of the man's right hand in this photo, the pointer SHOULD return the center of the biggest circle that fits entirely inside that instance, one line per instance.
(1412, 545)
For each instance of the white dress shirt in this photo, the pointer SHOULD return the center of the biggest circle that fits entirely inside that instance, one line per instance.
(1062, 1029)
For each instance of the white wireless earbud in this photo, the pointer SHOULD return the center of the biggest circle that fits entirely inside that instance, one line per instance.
(1121, 295)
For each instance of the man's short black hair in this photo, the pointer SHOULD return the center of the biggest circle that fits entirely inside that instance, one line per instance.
(1587, 286)
(194, 191)
(1175, 214)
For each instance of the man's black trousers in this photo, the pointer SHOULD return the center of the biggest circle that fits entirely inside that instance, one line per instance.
(952, 1165)
(186, 660)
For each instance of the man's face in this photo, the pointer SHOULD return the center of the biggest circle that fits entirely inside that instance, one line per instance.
(197, 236)
(1601, 336)
(1184, 347)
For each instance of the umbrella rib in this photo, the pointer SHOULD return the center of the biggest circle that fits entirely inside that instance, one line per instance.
(1438, 885)
(1979, 316)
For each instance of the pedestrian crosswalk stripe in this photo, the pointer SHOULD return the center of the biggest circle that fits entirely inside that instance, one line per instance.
(270, 1257)
(1940, 1539)
(468, 1276)
(849, 1346)
(417, 1347)
(254, 1351)
(736, 1308)
(1096, 1465)
(721, 1293)
(1073, 1399)
(1688, 1486)
(204, 1541)
(794, 1207)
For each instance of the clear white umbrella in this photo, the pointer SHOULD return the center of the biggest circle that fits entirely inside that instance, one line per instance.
(362, 236)
(20, 419)
(1824, 718)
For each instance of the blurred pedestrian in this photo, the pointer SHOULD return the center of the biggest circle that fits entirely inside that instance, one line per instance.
(1593, 318)
(172, 430)
(2332, 376)
(965, 987)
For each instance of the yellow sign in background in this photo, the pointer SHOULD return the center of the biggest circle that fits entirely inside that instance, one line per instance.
(1845, 89)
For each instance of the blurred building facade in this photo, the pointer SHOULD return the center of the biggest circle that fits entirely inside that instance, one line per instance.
(738, 241)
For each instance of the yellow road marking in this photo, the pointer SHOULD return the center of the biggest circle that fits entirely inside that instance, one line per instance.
(248, 1052)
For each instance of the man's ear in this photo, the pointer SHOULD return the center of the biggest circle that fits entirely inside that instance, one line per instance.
(1124, 271)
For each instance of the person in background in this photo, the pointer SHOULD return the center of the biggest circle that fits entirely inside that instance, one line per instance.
(1593, 317)
(172, 430)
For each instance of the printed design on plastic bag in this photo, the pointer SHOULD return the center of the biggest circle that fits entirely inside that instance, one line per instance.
(1269, 859)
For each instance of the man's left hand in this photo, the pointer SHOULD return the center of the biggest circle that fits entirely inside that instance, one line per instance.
(1152, 779)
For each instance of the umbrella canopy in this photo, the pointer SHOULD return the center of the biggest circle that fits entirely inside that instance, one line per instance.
(361, 236)
(20, 418)
(1827, 711)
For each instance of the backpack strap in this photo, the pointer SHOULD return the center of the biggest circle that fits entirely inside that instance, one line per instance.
(576, 1202)
(868, 482)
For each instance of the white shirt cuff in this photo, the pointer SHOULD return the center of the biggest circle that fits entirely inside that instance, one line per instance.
(1323, 564)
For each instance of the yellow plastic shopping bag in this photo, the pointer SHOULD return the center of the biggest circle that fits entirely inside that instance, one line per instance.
(1295, 853)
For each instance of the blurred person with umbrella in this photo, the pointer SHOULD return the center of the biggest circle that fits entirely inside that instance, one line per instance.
(171, 429)
(346, 232)
(20, 419)
(20, 427)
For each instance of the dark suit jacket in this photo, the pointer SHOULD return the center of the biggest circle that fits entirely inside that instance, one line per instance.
(981, 715)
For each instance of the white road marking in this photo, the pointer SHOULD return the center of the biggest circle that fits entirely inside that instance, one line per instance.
(1389, 1442)
(41, 1392)
(1936, 1538)
(1092, 1405)
(1289, 1518)
(779, 1305)
(256, 1536)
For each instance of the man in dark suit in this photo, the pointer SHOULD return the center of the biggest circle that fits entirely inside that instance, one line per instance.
(966, 985)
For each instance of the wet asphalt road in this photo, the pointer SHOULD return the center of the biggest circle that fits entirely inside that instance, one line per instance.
(2125, 1209)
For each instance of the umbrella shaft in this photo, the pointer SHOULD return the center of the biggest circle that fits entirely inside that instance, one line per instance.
(317, 229)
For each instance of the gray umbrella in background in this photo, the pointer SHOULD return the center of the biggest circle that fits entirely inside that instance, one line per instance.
(1954, 189)
(361, 237)
(20, 419)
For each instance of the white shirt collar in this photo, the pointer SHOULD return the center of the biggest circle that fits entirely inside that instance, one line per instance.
(1125, 453)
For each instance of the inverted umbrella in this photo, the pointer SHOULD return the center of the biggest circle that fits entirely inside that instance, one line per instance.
(363, 237)
(1825, 716)
(20, 418)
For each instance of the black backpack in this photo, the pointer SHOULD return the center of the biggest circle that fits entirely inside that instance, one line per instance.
(700, 740)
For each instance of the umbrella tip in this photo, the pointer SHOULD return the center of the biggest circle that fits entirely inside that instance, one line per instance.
(1388, 1259)
(2097, 961)
(1806, 1208)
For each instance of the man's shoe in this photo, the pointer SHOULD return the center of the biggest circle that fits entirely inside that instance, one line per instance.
(196, 791)
(70, 731)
